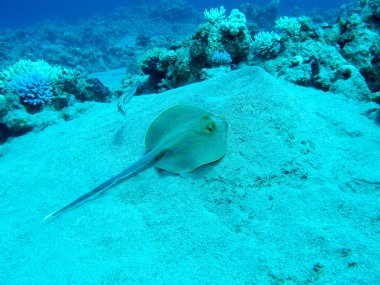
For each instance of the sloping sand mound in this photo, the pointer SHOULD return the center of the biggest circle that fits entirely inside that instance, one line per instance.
(295, 199)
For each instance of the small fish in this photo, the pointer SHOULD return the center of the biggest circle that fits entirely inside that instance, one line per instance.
(125, 97)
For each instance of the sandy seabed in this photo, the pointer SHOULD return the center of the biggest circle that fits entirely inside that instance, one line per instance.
(295, 200)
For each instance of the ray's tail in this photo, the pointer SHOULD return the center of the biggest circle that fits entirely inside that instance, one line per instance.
(147, 158)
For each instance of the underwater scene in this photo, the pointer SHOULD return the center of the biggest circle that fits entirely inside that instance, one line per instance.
(189, 142)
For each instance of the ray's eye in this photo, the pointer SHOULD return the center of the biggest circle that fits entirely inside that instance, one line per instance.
(208, 124)
(211, 126)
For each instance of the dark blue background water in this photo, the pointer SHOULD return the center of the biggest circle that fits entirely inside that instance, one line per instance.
(16, 13)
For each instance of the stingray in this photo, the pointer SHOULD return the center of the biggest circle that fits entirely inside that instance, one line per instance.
(178, 140)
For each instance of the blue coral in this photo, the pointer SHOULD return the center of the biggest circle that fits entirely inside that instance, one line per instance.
(34, 89)
(221, 58)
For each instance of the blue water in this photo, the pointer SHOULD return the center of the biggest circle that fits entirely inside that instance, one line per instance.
(294, 199)
(16, 13)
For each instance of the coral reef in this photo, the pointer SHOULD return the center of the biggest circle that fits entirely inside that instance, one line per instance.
(354, 32)
(314, 63)
(173, 48)
(220, 58)
(221, 41)
(225, 34)
(102, 42)
(28, 87)
(235, 23)
(34, 89)
(266, 44)
(289, 25)
(166, 68)
(370, 11)
(94, 90)
(342, 58)
(358, 42)
(44, 83)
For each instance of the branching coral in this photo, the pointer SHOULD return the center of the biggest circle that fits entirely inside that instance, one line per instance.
(221, 58)
(214, 15)
(289, 25)
(34, 89)
(266, 45)
(296, 29)
(37, 83)
(55, 74)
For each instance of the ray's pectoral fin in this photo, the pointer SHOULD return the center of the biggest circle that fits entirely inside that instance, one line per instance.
(191, 137)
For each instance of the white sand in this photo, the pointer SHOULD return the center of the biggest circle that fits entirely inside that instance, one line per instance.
(295, 199)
